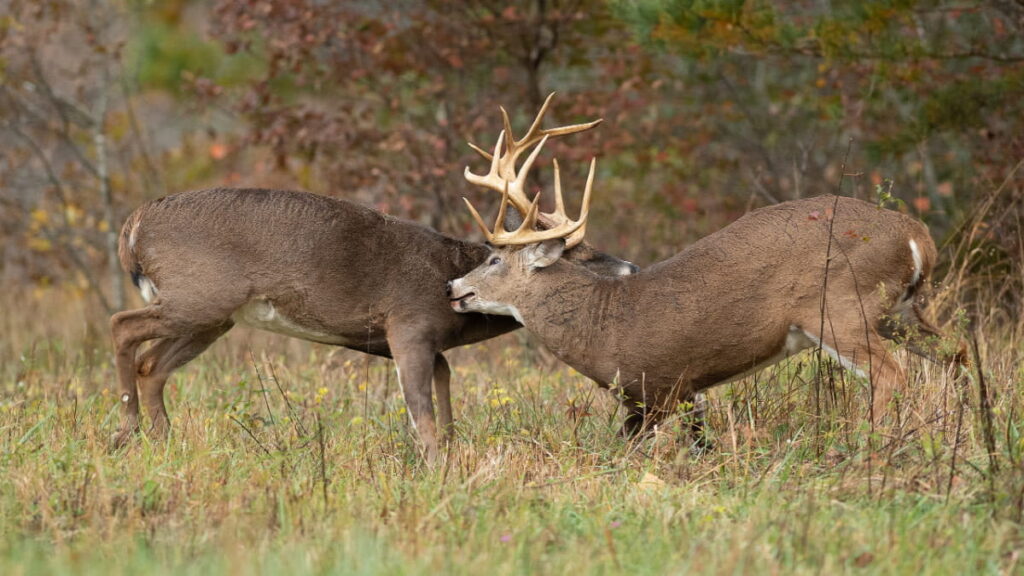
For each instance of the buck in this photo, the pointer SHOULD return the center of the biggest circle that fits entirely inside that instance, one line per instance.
(307, 266)
(736, 301)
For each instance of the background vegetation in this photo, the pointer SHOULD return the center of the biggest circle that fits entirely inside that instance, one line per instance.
(291, 456)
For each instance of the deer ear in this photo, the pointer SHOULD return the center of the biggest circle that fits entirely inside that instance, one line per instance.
(544, 254)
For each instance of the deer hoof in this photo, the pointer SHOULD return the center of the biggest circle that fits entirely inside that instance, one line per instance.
(122, 438)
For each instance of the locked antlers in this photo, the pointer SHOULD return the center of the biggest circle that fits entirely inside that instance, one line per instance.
(504, 178)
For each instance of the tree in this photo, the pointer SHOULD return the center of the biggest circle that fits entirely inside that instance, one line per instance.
(70, 138)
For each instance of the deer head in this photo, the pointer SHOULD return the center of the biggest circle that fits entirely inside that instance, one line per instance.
(537, 242)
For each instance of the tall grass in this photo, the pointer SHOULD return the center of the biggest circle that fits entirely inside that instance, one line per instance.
(288, 457)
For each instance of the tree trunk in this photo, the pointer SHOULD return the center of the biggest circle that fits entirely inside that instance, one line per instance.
(113, 265)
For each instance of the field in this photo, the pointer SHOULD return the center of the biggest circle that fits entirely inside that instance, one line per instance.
(288, 457)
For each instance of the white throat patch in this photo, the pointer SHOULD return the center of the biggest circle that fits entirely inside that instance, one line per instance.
(497, 309)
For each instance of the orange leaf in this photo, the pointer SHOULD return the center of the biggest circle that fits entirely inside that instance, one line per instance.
(218, 151)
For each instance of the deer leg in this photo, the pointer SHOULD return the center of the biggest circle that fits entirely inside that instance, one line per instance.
(415, 367)
(130, 329)
(887, 376)
(866, 355)
(156, 364)
(636, 415)
(698, 424)
(640, 418)
(442, 384)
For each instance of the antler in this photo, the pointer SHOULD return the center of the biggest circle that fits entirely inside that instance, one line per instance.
(572, 230)
(503, 178)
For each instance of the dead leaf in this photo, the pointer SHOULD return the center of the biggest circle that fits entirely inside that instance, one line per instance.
(650, 482)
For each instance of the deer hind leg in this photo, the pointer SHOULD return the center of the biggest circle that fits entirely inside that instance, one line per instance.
(442, 388)
(415, 361)
(157, 363)
(865, 354)
(130, 329)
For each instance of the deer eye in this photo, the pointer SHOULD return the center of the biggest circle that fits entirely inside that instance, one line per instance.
(496, 260)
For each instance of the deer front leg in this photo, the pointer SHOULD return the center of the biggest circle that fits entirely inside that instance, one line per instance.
(442, 387)
(640, 419)
(698, 424)
(866, 355)
(415, 366)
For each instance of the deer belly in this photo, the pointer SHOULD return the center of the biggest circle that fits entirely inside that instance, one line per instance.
(260, 313)
(796, 340)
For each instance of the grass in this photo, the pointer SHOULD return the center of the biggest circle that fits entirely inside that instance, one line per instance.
(288, 457)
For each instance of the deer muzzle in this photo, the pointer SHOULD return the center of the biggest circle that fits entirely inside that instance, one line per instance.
(460, 295)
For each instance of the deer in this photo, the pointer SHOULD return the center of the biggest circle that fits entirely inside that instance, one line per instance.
(308, 266)
(833, 273)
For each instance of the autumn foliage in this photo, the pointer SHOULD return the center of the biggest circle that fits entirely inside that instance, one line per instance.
(711, 108)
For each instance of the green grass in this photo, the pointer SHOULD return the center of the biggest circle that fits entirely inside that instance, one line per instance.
(315, 470)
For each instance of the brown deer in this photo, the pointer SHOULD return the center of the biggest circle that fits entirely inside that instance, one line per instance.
(307, 266)
(835, 273)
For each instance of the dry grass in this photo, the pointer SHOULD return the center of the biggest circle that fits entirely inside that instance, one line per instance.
(287, 456)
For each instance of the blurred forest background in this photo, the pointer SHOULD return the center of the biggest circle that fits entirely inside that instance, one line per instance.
(711, 108)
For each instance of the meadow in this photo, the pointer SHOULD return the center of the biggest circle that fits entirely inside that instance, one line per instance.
(290, 457)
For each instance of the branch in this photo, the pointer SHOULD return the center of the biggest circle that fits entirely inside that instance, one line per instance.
(38, 152)
(62, 106)
(84, 119)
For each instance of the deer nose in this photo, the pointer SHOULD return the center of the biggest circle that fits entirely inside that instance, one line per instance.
(448, 288)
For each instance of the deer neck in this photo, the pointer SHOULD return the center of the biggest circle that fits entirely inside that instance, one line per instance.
(578, 315)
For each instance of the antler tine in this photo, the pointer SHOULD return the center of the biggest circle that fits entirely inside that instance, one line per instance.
(480, 151)
(520, 237)
(525, 171)
(499, 222)
(495, 179)
(559, 201)
(511, 145)
(536, 133)
(479, 221)
(511, 183)
(497, 149)
(531, 215)
(561, 226)
(496, 158)
(577, 235)
(535, 128)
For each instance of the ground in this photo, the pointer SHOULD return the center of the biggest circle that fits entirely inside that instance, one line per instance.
(288, 457)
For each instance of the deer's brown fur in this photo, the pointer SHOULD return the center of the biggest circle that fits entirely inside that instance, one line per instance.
(737, 300)
(305, 265)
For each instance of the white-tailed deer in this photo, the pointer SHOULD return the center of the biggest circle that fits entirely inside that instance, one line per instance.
(307, 266)
(736, 301)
